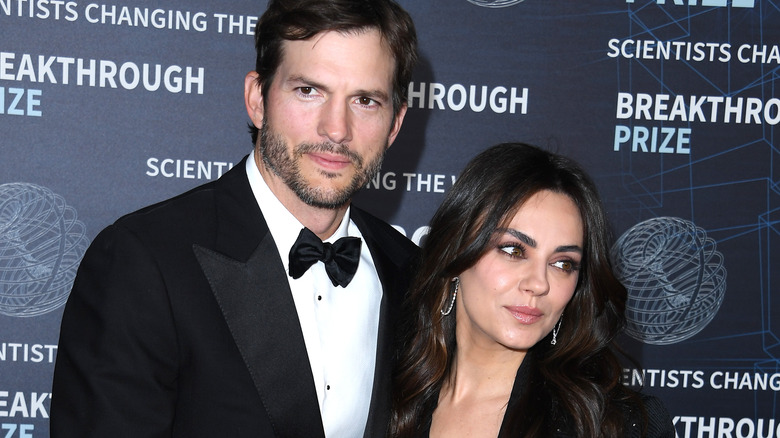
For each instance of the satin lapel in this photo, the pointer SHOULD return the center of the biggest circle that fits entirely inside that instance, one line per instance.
(379, 412)
(387, 255)
(256, 302)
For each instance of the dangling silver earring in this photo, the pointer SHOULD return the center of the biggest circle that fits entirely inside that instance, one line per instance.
(453, 294)
(555, 331)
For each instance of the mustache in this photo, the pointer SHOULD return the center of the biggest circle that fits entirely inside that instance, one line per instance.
(331, 148)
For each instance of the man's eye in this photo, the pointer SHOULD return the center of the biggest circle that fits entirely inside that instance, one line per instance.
(365, 101)
(306, 90)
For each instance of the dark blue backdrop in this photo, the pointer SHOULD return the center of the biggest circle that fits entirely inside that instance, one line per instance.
(107, 107)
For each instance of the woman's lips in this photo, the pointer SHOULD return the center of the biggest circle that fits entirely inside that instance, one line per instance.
(525, 314)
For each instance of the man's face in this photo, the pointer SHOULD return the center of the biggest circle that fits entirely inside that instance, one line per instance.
(328, 116)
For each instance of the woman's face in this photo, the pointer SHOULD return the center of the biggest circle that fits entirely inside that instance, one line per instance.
(514, 295)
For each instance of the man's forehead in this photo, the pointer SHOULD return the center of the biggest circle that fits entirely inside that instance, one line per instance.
(356, 51)
(368, 35)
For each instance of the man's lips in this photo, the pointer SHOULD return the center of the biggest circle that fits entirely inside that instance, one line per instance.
(330, 161)
(525, 314)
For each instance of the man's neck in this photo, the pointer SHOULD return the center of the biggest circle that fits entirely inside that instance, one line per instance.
(321, 221)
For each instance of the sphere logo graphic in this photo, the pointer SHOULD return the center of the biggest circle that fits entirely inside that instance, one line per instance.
(675, 278)
(41, 245)
(495, 3)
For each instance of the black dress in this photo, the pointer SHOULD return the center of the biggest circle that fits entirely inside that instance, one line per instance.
(658, 422)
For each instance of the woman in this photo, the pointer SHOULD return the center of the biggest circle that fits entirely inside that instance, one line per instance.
(515, 310)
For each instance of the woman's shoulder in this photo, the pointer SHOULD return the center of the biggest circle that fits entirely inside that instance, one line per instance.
(657, 421)
(644, 416)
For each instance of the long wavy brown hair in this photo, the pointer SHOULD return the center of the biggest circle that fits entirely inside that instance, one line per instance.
(576, 383)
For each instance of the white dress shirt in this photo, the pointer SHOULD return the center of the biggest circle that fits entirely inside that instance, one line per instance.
(340, 325)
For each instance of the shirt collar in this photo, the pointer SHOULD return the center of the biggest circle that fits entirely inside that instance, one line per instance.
(284, 227)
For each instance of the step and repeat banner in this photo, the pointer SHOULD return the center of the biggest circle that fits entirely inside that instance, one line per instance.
(673, 107)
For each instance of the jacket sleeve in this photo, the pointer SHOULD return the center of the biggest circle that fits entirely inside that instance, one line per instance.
(115, 374)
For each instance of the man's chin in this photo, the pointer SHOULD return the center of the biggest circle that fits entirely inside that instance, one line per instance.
(329, 198)
(325, 203)
(332, 187)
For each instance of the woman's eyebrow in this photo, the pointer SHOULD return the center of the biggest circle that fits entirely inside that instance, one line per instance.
(528, 240)
(519, 235)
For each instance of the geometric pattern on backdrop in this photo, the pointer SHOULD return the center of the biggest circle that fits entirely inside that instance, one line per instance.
(675, 278)
(41, 245)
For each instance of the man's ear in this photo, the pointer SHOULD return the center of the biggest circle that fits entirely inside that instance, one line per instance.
(398, 120)
(253, 98)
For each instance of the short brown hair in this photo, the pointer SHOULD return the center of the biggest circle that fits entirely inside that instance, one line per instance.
(293, 20)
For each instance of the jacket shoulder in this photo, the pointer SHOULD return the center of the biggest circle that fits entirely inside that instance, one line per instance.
(194, 208)
(395, 244)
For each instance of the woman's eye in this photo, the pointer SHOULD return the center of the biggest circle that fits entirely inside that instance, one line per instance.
(514, 251)
(566, 265)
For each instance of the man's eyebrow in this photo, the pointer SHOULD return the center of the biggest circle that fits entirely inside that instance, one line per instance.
(303, 80)
(377, 95)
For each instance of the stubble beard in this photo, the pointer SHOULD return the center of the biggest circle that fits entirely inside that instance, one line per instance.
(287, 167)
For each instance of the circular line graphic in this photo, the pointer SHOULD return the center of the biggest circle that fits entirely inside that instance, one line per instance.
(41, 244)
(675, 278)
(495, 3)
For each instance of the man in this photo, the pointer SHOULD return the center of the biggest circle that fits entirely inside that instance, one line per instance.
(220, 313)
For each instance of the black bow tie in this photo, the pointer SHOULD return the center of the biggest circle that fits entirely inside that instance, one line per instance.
(341, 258)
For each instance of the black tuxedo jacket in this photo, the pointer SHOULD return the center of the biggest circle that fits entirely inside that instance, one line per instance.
(181, 323)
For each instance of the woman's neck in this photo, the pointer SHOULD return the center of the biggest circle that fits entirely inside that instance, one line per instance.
(473, 401)
(483, 371)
